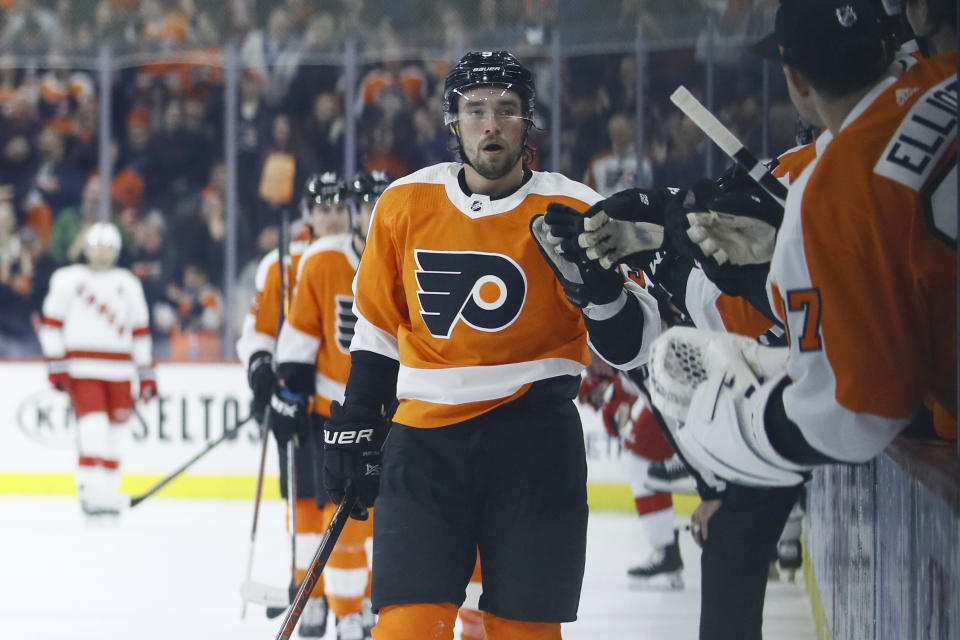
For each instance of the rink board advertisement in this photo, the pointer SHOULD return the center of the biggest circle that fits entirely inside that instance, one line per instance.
(197, 402)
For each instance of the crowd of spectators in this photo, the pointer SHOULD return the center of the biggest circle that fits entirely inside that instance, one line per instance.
(168, 182)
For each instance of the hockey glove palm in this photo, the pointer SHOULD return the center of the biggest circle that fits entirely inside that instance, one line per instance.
(583, 282)
(288, 416)
(351, 454)
(626, 226)
(722, 227)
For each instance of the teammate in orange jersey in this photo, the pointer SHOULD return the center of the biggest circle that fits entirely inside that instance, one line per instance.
(469, 323)
(95, 336)
(313, 361)
(256, 348)
(863, 273)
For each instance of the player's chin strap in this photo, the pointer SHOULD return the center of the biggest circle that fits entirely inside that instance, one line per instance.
(712, 390)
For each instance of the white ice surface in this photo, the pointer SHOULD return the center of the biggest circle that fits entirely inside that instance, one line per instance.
(172, 569)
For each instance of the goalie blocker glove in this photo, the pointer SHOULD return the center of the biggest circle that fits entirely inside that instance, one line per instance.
(352, 438)
(712, 390)
(584, 283)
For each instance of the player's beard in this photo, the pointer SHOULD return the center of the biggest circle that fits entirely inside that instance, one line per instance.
(496, 167)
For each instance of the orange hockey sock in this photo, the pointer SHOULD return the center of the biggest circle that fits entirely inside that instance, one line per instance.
(502, 629)
(433, 621)
(472, 621)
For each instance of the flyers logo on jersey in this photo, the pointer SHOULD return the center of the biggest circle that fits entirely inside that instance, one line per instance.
(346, 322)
(484, 290)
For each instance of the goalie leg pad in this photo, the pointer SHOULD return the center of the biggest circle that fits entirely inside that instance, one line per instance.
(724, 433)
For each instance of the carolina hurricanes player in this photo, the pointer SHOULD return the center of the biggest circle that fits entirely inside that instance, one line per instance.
(256, 347)
(95, 336)
(626, 415)
(313, 364)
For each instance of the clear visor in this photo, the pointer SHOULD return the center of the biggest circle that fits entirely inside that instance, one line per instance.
(480, 103)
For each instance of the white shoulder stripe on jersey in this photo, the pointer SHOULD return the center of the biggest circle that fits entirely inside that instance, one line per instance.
(263, 268)
(545, 183)
(460, 385)
(341, 243)
(368, 337)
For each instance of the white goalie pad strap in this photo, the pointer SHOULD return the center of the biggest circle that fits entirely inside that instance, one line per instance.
(724, 434)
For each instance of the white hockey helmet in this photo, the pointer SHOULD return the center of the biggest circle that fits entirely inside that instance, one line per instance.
(103, 234)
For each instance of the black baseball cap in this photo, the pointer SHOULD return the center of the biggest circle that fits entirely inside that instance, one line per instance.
(828, 39)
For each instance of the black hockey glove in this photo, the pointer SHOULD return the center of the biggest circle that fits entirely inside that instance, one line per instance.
(730, 234)
(261, 379)
(352, 439)
(288, 416)
(584, 282)
(626, 227)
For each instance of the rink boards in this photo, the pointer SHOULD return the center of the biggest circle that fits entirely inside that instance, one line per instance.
(197, 402)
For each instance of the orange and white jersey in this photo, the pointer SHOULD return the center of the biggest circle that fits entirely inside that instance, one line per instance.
(97, 323)
(259, 330)
(864, 270)
(454, 288)
(321, 323)
(709, 308)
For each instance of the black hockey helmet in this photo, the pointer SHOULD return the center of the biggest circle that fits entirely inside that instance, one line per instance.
(324, 188)
(483, 69)
(367, 187)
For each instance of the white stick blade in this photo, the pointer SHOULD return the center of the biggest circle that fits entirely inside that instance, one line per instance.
(264, 594)
(706, 121)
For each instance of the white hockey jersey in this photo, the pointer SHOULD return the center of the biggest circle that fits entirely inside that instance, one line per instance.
(96, 323)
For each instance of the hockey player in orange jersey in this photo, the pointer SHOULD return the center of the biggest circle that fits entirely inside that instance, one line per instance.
(95, 336)
(256, 348)
(313, 361)
(481, 333)
(863, 274)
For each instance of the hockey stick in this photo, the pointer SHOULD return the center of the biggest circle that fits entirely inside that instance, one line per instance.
(728, 143)
(281, 315)
(276, 599)
(292, 508)
(227, 435)
(266, 595)
(256, 505)
(318, 563)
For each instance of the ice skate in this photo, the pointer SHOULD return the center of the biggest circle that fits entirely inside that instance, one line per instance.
(350, 627)
(313, 621)
(369, 618)
(789, 557)
(99, 502)
(670, 476)
(663, 569)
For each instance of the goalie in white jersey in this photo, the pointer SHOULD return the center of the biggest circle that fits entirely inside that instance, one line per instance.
(96, 339)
